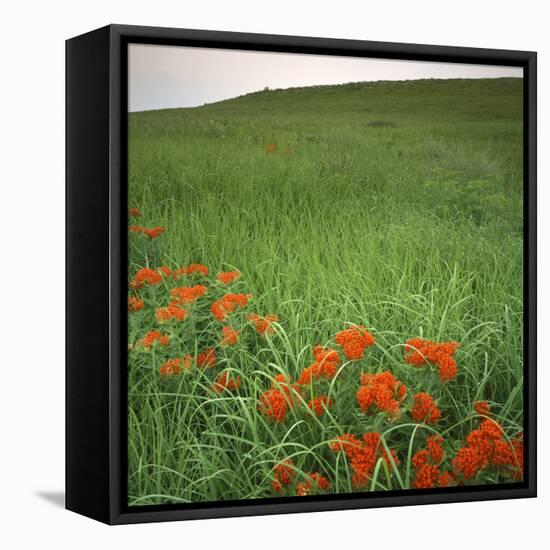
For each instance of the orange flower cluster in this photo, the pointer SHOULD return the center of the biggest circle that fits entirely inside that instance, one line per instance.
(325, 366)
(271, 148)
(134, 212)
(187, 294)
(164, 270)
(284, 474)
(426, 464)
(135, 304)
(482, 407)
(277, 401)
(425, 409)
(192, 269)
(230, 336)
(354, 341)
(207, 358)
(363, 455)
(319, 405)
(382, 392)
(316, 482)
(225, 382)
(419, 352)
(173, 367)
(263, 325)
(152, 232)
(146, 275)
(227, 277)
(487, 446)
(228, 304)
(154, 336)
(172, 312)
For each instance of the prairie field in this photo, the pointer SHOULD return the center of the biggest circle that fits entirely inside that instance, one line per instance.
(369, 237)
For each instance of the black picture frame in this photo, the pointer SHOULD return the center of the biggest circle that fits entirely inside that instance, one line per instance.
(96, 270)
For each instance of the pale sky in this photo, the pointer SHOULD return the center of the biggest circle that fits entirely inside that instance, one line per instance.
(163, 77)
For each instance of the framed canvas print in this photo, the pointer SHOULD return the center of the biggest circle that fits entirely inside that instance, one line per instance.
(300, 274)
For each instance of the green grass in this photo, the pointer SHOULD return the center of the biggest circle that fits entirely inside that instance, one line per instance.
(397, 205)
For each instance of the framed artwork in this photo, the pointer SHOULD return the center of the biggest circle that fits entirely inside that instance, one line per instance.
(300, 274)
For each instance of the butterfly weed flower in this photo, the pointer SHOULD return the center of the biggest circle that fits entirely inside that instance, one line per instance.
(279, 399)
(263, 325)
(207, 358)
(172, 312)
(482, 408)
(381, 392)
(316, 482)
(134, 212)
(324, 367)
(227, 277)
(354, 341)
(154, 336)
(426, 463)
(487, 446)
(230, 336)
(319, 405)
(146, 275)
(424, 409)
(228, 304)
(164, 270)
(192, 269)
(420, 352)
(135, 304)
(363, 455)
(226, 382)
(283, 475)
(187, 294)
(173, 367)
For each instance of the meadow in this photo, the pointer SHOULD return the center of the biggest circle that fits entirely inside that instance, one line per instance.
(370, 235)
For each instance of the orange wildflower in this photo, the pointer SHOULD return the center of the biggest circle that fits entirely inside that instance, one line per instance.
(354, 341)
(277, 401)
(225, 382)
(164, 270)
(419, 352)
(316, 482)
(169, 313)
(230, 336)
(153, 232)
(426, 464)
(271, 148)
(381, 392)
(187, 294)
(487, 446)
(363, 455)
(283, 474)
(227, 277)
(173, 367)
(263, 325)
(149, 276)
(135, 229)
(319, 405)
(425, 409)
(193, 269)
(482, 408)
(325, 366)
(134, 212)
(207, 358)
(135, 303)
(228, 304)
(155, 336)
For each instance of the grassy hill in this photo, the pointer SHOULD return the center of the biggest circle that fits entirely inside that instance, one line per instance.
(396, 205)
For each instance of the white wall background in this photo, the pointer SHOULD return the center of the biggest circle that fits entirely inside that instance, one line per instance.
(32, 273)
